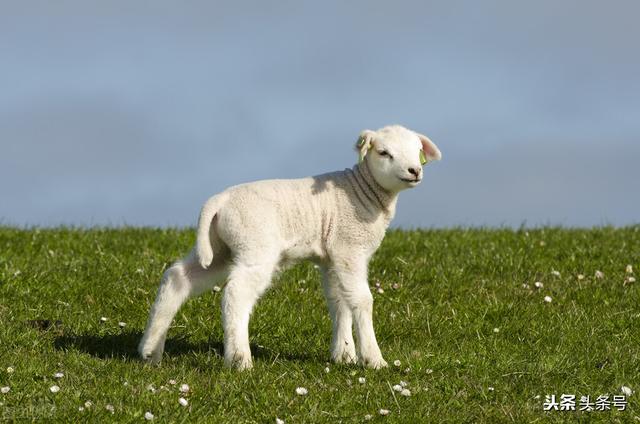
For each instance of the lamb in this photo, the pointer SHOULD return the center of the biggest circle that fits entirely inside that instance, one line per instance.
(251, 231)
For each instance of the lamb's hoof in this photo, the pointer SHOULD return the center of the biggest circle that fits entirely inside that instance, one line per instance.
(344, 357)
(375, 363)
(150, 356)
(205, 259)
(239, 362)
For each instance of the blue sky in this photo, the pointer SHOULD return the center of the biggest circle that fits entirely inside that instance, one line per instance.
(134, 113)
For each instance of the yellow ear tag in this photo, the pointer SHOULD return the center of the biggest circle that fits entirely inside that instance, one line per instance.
(363, 153)
(423, 158)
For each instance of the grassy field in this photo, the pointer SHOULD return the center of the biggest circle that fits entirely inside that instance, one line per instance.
(475, 338)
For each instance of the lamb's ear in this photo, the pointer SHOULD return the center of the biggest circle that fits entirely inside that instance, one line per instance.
(364, 143)
(430, 150)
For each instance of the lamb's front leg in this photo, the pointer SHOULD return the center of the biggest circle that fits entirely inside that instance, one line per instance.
(351, 275)
(343, 348)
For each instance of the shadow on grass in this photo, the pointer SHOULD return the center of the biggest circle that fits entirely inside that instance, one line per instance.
(124, 346)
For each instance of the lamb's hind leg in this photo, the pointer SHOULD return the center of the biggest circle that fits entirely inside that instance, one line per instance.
(343, 348)
(184, 279)
(247, 282)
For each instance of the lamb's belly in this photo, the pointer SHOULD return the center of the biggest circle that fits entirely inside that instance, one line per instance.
(300, 251)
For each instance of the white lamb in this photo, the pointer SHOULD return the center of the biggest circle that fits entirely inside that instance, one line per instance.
(338, 220)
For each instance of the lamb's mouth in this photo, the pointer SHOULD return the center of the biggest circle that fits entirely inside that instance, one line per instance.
(411, 180)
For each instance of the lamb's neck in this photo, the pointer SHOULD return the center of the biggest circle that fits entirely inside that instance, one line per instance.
(372, 194)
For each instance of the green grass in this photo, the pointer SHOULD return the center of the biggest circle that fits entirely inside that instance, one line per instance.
(456, 286)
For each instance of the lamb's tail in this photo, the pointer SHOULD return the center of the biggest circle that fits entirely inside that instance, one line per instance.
(204, 248)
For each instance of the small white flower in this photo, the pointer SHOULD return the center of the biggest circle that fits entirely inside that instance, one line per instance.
(122, 324)
(216, 289)
(406, 370)
(151, 388)
(599, 275)
(397, 362)
(80, 408)
(429, 371)
(368, 417)
(58, 375)
(172, 382)
(184, 388)
(326, 369)
(525, 286)
(126, 383)
(5, 389)
(580, 277)
(103, 319)
(548, 299)
(631, 279)
(397, 388)
(148, 416)
(88, 404)
(629, 269)
(496, 330)
(380, 290)
(490, 388)
(139, 270)
(555, 273)
(384, 412)
(377, 284)
(395, 286)
(301, 391)
(405, 392)
(362, 380)
(182, 401)
(538, 285)
(279, 421)
(110, 408)
(10, 370)
(54, 389)
(403, 383)
(626, 390)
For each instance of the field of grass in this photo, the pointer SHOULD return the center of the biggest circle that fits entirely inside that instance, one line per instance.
(475, 339)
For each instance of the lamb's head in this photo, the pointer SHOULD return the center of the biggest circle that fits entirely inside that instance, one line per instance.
(395, 155)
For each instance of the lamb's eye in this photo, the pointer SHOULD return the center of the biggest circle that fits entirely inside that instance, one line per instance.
(385, 153)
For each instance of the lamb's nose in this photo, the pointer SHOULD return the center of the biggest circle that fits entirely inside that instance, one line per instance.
(414, 171)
